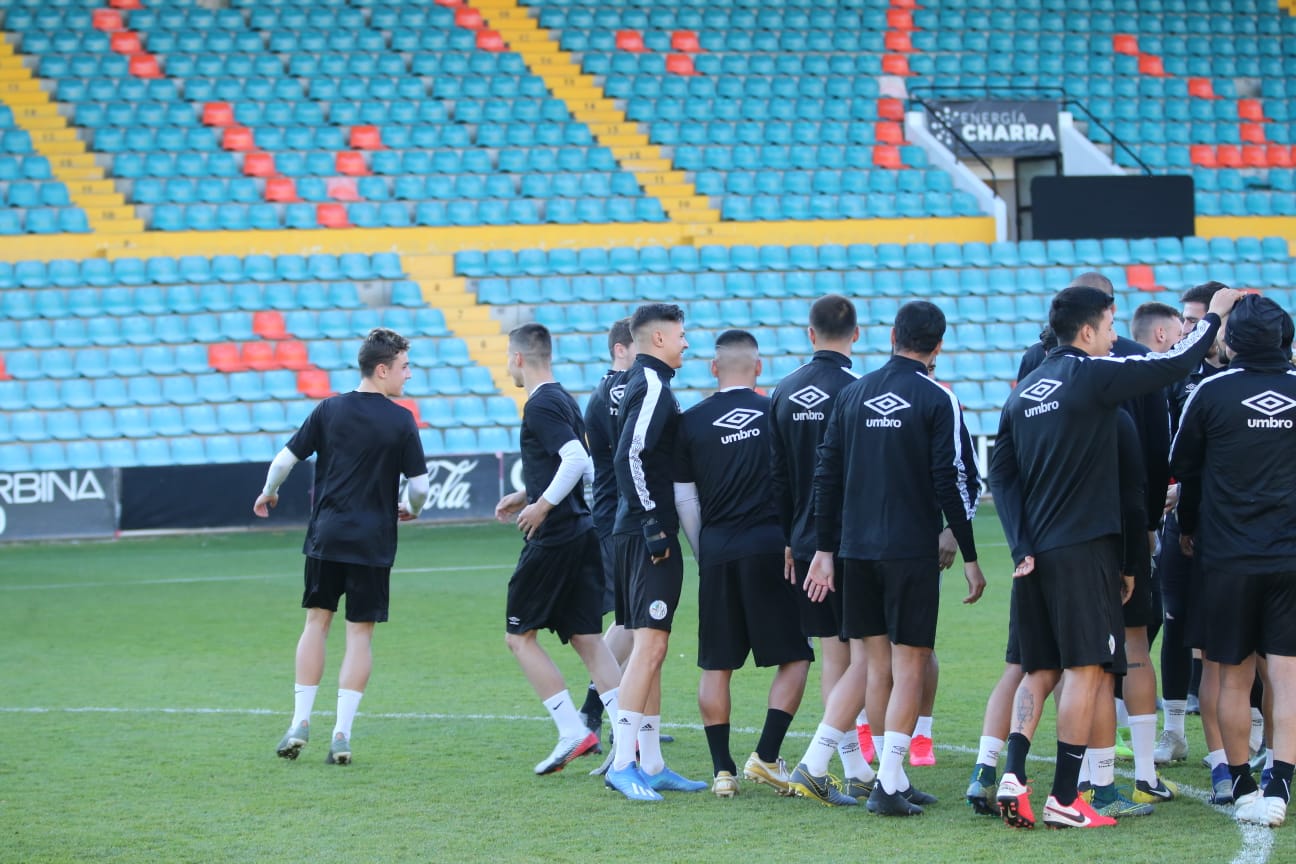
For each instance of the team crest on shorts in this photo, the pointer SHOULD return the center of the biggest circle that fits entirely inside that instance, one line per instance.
(658, 610)
(1111, 644)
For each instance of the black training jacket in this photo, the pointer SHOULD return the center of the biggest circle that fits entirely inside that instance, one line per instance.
(1235, 454)
(600, 436)
(645, 448)
(891, 461)
(1054, 467)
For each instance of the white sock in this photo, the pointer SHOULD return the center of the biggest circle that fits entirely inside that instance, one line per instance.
(1122, 714)
(891, 763)
(348, 702)
(1143, 742)
(303, 702)
(879, 742)
(1216, 757)
(862, 718)
(650, 755)
(853, 764)
(1269, 759)
(1102, 765)
(609, 700)
(822, 747)
(627, 733)
(1257, 730)
(988, 752)
(1083, 776)
(1175, 710)
(565, 716)
(923, 727)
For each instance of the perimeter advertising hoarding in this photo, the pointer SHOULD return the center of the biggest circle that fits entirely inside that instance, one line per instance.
(36, 505)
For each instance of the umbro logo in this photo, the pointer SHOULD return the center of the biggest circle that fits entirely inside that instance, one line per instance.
(809, 397)
(887, 403)
(1269, 403)
(737, 418)
(1040, 390)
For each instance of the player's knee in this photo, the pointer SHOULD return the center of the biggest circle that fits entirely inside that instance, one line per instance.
(517, 642)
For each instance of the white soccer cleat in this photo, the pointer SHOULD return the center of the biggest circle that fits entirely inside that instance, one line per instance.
(1258, 809)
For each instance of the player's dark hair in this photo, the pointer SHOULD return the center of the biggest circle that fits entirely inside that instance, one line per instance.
(1288, 332)
(833, 317)
(736, 339)
(533, 340)
(1146, 316)
(619, 334)
(380, 349)
(651, 313)
(919, 327)
(1094, 279)
(1201, 293)
(1075, 307)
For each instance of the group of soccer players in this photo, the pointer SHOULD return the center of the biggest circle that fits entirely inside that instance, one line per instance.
(830, 510)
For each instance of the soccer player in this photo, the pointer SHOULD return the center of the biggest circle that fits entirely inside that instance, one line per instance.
(649, 565)
(894, 432)
(799, 413)
(1052, 467)
(363, 443)
(721, 494)
(559, 576)
(600, 431)
(1236, 458)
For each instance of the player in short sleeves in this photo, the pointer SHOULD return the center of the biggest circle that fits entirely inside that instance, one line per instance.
(363, 443)
(558, 580)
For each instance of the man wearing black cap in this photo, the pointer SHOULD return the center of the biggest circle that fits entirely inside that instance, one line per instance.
(1235, 454)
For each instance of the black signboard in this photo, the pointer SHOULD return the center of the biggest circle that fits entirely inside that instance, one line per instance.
(996, 127)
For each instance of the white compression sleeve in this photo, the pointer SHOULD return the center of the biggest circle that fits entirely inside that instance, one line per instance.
(575, 461)
(690, 513)
(283, 463)
(416, 494)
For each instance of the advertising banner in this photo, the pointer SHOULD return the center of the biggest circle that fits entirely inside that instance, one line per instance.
(997, 127)
(38, 505)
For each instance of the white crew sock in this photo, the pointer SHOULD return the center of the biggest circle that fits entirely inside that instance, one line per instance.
(1269, 759)
(1122, 714)
(348, 702)
(891, 762)
(565, 716)
(1102, 765)
(923, 727)
(625, 738)
(1143, 742)
(1257, 730)
(862, 718)
(853, 764)
(1216, 757)
(650, 755)
(609, 700)
(1175, 710)
(303, 703)
(822, 747)
(1083, 776)
(988, 752)
(879, 742)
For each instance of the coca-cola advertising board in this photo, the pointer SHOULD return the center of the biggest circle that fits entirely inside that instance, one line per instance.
(462, 487)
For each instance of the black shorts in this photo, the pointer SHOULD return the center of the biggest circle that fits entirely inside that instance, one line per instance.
(742, 607)
(899, 599)
(822, 619)
(557, 588)
(1173, 571)
(1197, 611)
(1012, 651)
(367, 589)
(608, 555)
(1250, 615)
(647, 594)
(1137, 611)
(1069, 611)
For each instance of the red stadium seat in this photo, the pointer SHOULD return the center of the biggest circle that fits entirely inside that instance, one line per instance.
(126, 4)
(1252, 133)
(887, 132)
(237, 138)
(1201, 88)
(125, 42)
(1203, 155)
(269, 324)
(281, 189)
(291, 354)
(898, 40)
(631, 41)
(332, 216)
(1228, 156)
(107, 20)
(1140, 276)
(4, 375)
(1251, 109)
(899, 19)
(144, 65)
(887, 156)
(1125, 43)
(1150, 64)
(449, 2)
(314, 383)
(490, 40)
(895, 64)
(411, 406)
(891, 109)
(224, 357)
(1278, 156)
(259, 164)
(366, 138)
(342, 189)
(680, 64)
(218, 114)
(1253, 156)
(351, 163)
(685, 41)
(468, 18)
(258, 355)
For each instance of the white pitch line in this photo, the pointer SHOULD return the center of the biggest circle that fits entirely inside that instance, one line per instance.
(192, 580)
(1257, 842)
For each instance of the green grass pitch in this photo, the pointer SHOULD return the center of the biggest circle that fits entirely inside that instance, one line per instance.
(147, 680)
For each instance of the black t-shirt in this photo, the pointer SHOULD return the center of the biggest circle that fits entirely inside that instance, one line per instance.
(364, 442)
(723, 447)
(550, 419)
(600, 433)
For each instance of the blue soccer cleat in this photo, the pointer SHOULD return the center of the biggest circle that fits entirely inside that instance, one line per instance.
(667, 780)
(631, 783)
